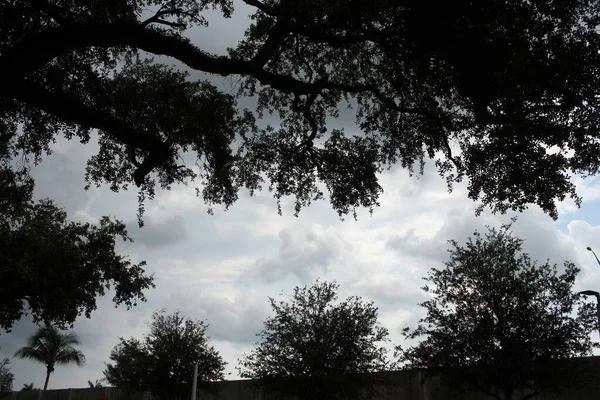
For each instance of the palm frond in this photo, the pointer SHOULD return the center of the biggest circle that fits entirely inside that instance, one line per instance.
(31, 353)
(70, 355)
(70, 338)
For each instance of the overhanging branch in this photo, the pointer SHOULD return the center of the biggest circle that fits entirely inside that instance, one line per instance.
(73, 110)
(36, 50)
(262, 7)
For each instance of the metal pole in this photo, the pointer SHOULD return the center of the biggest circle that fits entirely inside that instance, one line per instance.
(194, 381)
(594, 253)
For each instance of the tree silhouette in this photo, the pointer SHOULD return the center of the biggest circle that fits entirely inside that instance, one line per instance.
(95, 385)
(6, 376)
(499, 322)
(28, 387)
(163, 361)
(316, 348)
(38, 237)
(51, 347)
(502, 93)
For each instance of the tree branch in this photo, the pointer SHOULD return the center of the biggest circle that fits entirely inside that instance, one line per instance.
(262, 7)
(156, 18)
(311, 120)
(271, 45)
(71, 109)
(38, 49)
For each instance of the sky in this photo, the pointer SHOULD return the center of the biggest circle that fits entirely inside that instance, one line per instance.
(223, 267)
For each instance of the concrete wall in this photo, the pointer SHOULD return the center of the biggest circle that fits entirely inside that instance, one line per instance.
(397, 385)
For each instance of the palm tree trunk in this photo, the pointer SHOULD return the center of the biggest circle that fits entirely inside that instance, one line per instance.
(48, 372)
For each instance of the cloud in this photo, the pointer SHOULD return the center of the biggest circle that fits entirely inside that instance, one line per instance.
(158, 234)
(304, 252)
(234, 316)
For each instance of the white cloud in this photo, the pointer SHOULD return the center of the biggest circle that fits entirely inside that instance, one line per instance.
(305, 252)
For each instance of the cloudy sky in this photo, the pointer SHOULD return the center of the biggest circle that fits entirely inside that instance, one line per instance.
(222, 268)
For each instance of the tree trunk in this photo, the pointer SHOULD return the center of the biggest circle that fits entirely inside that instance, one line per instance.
(48, 372)
(508, 394)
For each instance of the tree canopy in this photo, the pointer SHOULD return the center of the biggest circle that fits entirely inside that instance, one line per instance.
(163, 361)
(53, 268)
(498, 321)
(51, 347)
(317, 348)
(501, 93)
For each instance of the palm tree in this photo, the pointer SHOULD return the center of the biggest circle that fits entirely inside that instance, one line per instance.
(50, 347)
(28, 387)
(96, 385)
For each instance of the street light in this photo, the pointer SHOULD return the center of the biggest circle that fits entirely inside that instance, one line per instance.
(590, 249)
(594, 293)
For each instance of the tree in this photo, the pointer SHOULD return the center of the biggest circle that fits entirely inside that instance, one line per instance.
(316, 348)
(163, 362)
(29, 387)
(452, 83)
(53, 268)
(51, 347)
(95, 385)
(6, 376)
(499, 322)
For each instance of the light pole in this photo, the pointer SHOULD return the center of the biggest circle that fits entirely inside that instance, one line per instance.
(594, 253)
(594, 293)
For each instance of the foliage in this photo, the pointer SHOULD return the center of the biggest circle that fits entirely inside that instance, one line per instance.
(97, 384)
(6, 376)
(51, 347)
(163, 362)
(316, 348)
(497, 321)
(28, 387)
(53, 268)
(502, 93)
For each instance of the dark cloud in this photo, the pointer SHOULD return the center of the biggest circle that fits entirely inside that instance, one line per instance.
(161, 233)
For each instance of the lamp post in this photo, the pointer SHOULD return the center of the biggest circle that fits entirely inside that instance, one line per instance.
(597, 295)
(594, 253)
